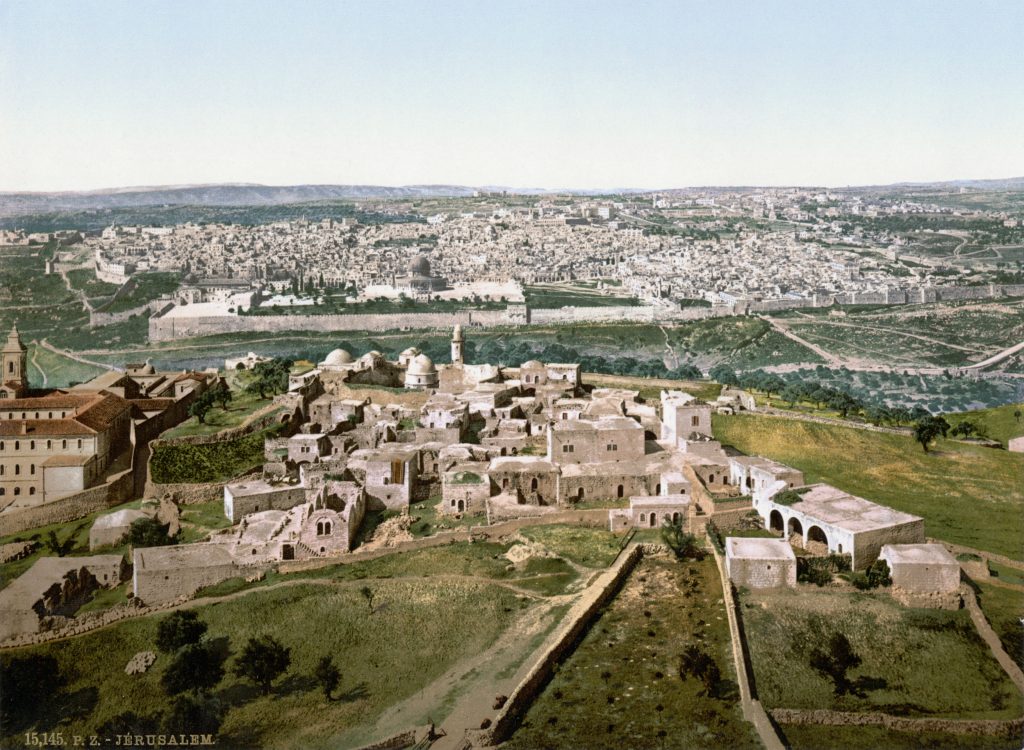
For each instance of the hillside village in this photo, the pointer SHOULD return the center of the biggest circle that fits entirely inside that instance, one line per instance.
(494, 443)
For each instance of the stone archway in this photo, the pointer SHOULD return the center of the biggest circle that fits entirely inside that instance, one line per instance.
(794, 527)
(776, 521)
(817, 540)
(461, 506)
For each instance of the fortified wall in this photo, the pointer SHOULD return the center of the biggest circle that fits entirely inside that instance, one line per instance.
(164, 327)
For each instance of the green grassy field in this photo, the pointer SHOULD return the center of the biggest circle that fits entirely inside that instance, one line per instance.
(592, 548)
(621, 687)
(210, 462)
(966, 494)
(375, 652)
(85, 280)
(60, 371)
(999, 423)
(146, 287)
(902, 652)
(561, 296)
(241, 406)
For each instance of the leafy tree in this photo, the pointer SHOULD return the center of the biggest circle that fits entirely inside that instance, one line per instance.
(367, 593)
(723, 374)
(263, 660)
(221, 394)
(327, 675)
(684, 545)
(195, 667)
(792, 394)
(696, 662)
(193, 714)
(929, 428)
(836, 662)
(29, 683)
(148, 532)
(179, 629)
(201, 405)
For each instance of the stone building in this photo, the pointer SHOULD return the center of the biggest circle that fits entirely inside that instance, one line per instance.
(421, 373)
(579, 441)
(1016, 445)
(388, 475)
(111, 528)
(838, 522)
(255, 495)
(921, 570)
(331, 412)
(14, 361)
(163, 574)
(59, 443)
(683, 418)
(760, 563)
(757, 475)
(465, 488)
(651, 511)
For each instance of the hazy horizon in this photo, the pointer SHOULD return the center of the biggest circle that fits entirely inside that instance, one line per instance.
(549, 95)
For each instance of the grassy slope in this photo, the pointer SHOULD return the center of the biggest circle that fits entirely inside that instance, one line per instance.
(966, 494)
(902, 651)
(1003, 609)
(458, 619)
(1000, 423)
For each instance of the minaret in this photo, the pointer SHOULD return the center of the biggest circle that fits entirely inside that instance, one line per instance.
(457, 344)
(15, 363)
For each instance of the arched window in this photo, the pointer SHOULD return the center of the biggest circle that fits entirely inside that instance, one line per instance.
(643, 518)
(620, 491)
(64, 444)
(31, 490)
(17, 469)
(32, 469)
(17, 490)
(533, 484)
(327, 528)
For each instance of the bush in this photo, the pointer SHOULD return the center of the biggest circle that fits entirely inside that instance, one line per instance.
(179, 629)
(147, 532)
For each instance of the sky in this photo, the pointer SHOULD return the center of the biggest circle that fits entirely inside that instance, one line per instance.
(549, 94)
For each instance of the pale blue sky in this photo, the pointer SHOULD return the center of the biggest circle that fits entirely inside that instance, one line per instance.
(530, 94)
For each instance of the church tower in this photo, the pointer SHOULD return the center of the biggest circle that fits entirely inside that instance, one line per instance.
(15, 365)
(457, 343)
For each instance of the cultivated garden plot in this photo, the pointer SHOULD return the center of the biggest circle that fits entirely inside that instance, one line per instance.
(654, 671)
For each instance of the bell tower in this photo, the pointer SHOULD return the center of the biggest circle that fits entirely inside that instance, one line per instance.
(15, 365)
(457, 343)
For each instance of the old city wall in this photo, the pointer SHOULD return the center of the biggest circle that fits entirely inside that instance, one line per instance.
(164, 328)
(69, 508)
(1009, 728)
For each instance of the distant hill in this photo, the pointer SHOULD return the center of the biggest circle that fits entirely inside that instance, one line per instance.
(16, 204)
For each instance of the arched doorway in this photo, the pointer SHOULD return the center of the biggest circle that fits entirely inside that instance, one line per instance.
(620, 491)
(533, 484)
(654, 519)
(775, 522)
(579, 495)
(461, 506)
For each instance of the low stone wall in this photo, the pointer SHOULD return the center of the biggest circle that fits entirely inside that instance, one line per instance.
(98, 319)
(1009, 728)
(560, 645)
(186, 494)
(399, 741)
(69, 508)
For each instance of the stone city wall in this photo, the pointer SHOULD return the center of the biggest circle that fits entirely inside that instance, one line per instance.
(186, 494)
(163, 328)
(98, 318)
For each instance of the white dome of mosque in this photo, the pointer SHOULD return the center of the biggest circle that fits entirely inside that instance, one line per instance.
(422, 365)
(531, 364)
(338, 357)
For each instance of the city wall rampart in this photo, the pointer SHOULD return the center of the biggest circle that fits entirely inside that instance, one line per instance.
(163, 327)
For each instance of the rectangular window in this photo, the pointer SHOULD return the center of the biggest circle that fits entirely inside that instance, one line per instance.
(567, 448)
(695, 421)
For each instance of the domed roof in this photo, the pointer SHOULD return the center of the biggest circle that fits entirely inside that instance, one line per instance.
(148, 369)
(419, 266)
(412, 351)
(338, 357)
(422, 365)
(531, 364)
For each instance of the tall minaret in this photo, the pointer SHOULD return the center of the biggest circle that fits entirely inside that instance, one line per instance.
(457, 344)
(15, 363)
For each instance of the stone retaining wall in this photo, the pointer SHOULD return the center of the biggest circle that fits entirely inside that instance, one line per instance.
(186, 494)
(560, 644)
(69, 508)
(1010, 728)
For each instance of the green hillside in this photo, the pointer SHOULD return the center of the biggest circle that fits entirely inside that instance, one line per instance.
(967, 494)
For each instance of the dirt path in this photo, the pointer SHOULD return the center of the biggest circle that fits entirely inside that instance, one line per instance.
(35, 364)
(77, 357)
(474, 683)
(782, 328)
(673, 357)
